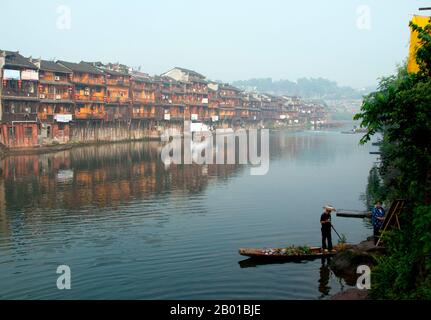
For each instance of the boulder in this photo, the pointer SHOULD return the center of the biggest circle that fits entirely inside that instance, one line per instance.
(345, 263)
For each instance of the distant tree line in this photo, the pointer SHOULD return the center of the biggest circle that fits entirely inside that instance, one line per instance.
(304, 87)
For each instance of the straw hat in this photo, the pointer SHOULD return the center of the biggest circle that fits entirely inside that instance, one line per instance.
(329, 207)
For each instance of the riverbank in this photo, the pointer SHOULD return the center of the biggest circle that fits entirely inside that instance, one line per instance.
(56, 147)
(46, 149)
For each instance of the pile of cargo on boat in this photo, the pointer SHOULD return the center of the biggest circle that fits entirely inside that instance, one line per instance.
(287, 253)
(291, 251)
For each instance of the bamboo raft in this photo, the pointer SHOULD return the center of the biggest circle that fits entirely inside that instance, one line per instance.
(280, 254)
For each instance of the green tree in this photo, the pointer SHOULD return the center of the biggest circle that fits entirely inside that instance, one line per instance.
(375, 190)
(401, 110)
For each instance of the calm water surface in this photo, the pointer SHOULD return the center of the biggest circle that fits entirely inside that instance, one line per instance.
(129, 228)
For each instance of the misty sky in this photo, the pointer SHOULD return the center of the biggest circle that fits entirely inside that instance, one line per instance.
(226, 40)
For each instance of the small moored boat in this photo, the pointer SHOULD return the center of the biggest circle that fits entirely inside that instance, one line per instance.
(286, 254)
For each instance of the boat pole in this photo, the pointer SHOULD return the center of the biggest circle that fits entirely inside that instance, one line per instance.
(336, 231)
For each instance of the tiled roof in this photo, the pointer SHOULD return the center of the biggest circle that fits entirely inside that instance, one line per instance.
(114, 72)
(191, 72)
(81, 67)
(14, 59)
(229, 87)
(53, 66)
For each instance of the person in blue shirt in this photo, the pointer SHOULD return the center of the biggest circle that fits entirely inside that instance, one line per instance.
(377, 219)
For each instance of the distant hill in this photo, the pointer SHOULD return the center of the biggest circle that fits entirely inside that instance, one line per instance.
(316, 88)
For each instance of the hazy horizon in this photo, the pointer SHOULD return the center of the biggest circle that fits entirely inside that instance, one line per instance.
(350, 42)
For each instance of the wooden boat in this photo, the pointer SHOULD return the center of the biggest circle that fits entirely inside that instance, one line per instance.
(284, 254)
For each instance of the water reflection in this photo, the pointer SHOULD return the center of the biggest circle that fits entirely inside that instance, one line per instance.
(108, 175)
(306, 148)
(102, 176)
(325, 273)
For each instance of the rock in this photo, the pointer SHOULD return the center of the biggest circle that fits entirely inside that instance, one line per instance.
(351, 294)
(368, 246)
(345, 263)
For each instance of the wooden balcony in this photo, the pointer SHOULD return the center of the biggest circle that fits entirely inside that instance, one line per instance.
(197, 88)
(227, 105)
(19, 94)
(55, 98)
(118, 82)
(46, 112)
(202, 115)
(194, 101)
(143, 100)
(89, 81)
(45, 117)
(143, 86)
(20, 117)
(49, 77)
(229, 94)
(89, 98)
(196, 91)
(118, 100)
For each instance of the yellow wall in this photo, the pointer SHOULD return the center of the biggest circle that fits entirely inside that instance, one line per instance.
(421, 21)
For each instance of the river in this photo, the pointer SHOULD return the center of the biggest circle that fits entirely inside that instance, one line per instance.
(130, 228)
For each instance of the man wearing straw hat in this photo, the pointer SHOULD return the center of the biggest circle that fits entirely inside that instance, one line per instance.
(325, 221)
